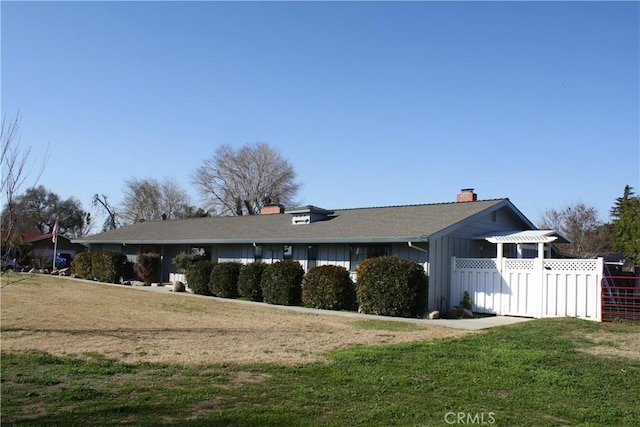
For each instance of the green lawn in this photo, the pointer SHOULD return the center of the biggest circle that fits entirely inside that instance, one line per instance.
(530, 374)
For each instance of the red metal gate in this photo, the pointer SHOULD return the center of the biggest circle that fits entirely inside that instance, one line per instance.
(620, 298)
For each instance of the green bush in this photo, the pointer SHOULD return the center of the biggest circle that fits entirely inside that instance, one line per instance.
(198, 276)
(249, 281)
(224, 279)
(282, 283)
(108, 266)
(391, 286)
(148, 266)
(81, 265)
(328, 287)
(466, 301)
(184, 260)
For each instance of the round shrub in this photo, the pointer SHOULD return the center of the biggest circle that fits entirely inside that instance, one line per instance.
(249, 281)
(108, 266)
(328, 287)
(282, 283)
(81, 265)
(224, 279)
(148, 266)
(391, 286)
(198, 277)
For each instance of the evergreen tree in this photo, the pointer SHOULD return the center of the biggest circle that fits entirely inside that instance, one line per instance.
(626, 226)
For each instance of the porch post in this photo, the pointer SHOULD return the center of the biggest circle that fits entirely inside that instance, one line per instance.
(542, 287)
(540, 249)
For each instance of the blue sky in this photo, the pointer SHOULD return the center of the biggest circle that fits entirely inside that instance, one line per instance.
(373, 103)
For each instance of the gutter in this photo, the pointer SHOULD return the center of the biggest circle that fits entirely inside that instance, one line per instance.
(249, 241)
(418, 248)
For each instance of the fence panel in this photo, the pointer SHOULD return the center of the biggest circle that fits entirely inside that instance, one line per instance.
(521, 295)
(481, 278)
(571, 288)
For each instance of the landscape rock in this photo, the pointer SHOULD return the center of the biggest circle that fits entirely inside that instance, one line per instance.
(178, 286)
(433, 315)
(458, 313)
(452, 313)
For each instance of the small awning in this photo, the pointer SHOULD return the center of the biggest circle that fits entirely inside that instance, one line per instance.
(526, 236)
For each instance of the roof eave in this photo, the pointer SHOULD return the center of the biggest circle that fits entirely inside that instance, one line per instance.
(317, 240)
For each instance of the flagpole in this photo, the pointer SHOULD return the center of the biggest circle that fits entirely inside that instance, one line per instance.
(54, 237)
(55, 250)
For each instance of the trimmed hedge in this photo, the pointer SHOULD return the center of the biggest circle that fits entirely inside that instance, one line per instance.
(328, 287)
(281, 283)
(198, 277)
(224, 279)
(108, 267)
(249, 281)
(183, 261)
(148, 266)
(391, 286)
(81, 265)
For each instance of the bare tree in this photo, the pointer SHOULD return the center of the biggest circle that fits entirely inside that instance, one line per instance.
(174, 199)
(110, 223)
(242, 182)
(15, 169)
(580, 224)
(148, 199)
(141, 200)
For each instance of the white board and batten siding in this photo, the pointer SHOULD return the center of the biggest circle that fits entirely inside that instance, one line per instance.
(530, 287)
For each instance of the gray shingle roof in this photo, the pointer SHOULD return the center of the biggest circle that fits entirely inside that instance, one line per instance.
(390, 223)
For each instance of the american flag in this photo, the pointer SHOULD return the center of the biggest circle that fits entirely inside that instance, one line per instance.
(54, 233)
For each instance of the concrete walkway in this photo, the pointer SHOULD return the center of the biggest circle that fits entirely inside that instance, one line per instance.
(467, 324)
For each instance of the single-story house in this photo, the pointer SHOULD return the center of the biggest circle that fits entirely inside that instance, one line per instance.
(42, 248)
(36, 248)
(428, 233)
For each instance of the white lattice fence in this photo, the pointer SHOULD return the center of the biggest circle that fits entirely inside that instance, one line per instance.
(481, 278)
(571, 287)
(529, 287)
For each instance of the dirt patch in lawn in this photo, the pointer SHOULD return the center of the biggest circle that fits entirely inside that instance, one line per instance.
(72, 317)
(615, 344)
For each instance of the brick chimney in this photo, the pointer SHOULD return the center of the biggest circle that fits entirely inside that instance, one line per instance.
(467, 195)
(272, 210)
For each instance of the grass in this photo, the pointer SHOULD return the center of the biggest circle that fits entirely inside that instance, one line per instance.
(386, 325)
(530, 374)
